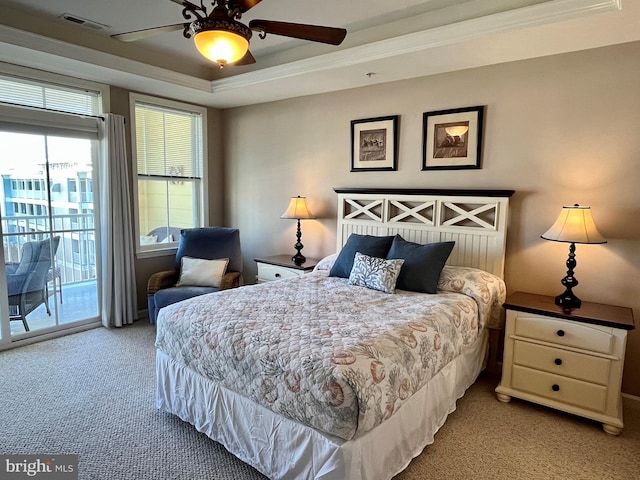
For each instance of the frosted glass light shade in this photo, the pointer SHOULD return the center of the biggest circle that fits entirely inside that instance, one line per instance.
(298, 209)
(574, 225)
(221, 46)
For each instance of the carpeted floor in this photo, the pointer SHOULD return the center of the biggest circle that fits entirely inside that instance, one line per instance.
(92, 394)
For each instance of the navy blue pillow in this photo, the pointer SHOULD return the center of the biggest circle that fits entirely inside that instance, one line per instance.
(422, 263)
(366, 244)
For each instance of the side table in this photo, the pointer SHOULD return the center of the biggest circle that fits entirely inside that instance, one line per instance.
(571, 360)
(278, 267)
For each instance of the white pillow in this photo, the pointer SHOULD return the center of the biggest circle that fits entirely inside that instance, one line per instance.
(198, 272)
(326, 263)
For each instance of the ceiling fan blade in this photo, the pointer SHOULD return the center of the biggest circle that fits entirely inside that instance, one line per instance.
(148, 32)
(315, 33)
(241, 5)
(246, 60)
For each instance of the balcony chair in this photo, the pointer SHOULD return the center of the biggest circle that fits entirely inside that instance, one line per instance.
(164, 234)
(27, 281)
(209, 243)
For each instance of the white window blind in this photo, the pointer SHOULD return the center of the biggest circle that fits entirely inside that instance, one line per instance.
(36, 106)
(49, 96)
(169, 142)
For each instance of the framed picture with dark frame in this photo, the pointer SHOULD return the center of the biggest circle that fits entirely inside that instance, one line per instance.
(374, 144)
(452, 139)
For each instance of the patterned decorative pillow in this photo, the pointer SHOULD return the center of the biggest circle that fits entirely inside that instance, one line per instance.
(375, 273)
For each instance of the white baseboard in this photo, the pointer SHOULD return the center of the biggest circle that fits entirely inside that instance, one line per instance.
(631, 400)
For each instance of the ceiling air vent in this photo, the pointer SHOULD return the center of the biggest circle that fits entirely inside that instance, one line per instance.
(84, 22)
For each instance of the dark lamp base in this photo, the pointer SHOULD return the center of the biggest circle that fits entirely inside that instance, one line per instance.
(568, 300)
(298, 259)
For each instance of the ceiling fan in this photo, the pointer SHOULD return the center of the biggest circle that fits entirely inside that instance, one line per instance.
(221, 38)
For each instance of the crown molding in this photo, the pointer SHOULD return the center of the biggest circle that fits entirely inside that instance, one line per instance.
(59, 49)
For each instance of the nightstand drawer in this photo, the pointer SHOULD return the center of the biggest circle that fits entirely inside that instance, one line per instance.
(562, 362)
(562, 389)
(562, 332)
(269, 273)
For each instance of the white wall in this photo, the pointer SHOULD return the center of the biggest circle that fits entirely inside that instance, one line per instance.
(559, 130)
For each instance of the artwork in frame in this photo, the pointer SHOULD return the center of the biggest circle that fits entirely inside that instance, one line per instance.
(452, 139)
(374, 144)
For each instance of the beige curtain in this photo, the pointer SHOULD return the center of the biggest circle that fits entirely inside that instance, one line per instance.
(119, 302)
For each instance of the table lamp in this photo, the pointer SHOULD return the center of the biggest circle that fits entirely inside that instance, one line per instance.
(298, 210)
(574, 225)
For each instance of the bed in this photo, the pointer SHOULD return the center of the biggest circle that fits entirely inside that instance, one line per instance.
(300, 381)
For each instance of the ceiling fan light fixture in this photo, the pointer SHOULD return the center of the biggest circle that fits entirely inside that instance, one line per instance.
(221, 41)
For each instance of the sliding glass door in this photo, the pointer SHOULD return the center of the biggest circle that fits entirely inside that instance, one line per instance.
(48, 230)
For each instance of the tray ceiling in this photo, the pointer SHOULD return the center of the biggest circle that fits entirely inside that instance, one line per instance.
(386, 41)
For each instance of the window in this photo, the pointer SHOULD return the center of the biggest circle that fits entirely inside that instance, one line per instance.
(86, 190)
(169, 150)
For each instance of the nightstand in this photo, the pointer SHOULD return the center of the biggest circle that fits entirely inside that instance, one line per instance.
(570, 360)
(279, 267)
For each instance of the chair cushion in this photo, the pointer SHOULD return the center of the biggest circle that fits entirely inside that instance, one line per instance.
(168, 296)
(30, 254)
(211, 243)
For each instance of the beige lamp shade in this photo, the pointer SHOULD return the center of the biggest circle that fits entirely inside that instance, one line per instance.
(298, 209)
(574, 225)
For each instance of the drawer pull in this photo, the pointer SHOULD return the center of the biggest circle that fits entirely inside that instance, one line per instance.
(558, 361)
(555, 387)
(560, 333)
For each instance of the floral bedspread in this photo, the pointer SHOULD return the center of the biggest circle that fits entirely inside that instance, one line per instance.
(337, 357)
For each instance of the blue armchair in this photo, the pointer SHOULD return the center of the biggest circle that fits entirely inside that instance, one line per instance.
(208, 243)
(27, 281)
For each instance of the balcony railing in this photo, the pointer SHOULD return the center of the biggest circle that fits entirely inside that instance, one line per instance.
(75, 259)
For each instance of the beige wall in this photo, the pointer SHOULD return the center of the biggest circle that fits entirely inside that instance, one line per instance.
(559, 130)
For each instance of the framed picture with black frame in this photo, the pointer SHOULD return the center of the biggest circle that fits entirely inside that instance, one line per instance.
(374, 144)
(452, 139)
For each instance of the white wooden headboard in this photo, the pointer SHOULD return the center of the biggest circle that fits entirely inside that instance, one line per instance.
(475, 219)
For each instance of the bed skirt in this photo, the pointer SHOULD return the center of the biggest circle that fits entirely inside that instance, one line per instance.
(283, 449)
